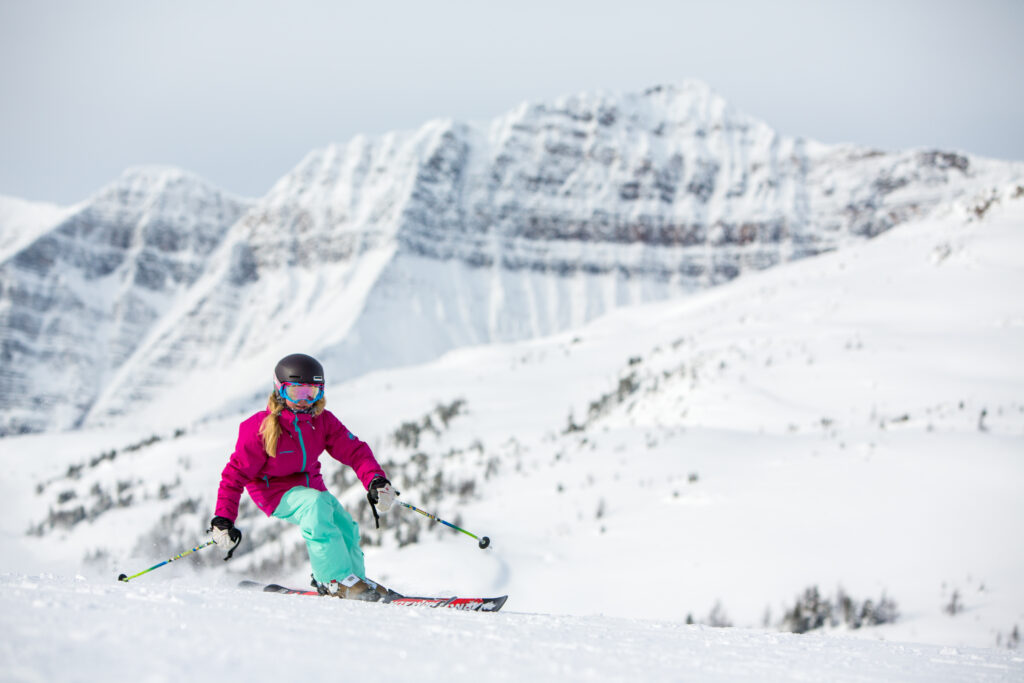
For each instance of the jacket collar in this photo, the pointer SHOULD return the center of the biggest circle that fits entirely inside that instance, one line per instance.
(288, 417)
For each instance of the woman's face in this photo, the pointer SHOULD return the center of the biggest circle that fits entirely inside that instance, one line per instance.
(298, 407)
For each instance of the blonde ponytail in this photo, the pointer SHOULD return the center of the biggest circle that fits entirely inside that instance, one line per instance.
(270, 428)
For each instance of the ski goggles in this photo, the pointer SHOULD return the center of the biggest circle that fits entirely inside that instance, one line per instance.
(301, 392)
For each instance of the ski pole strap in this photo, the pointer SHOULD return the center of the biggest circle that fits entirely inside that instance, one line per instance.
(376, 517)
(237, 541)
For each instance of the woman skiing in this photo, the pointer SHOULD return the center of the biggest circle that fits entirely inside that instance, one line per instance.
(277, 461)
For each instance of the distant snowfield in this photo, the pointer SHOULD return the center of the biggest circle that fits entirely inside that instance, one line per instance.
(855, 420)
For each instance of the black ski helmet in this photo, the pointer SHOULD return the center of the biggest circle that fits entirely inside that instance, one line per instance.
(299, 369)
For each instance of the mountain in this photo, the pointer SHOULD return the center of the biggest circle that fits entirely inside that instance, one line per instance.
(76, 300)
(394, 250)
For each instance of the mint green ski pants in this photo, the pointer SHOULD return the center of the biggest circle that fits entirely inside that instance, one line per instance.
(332, 536)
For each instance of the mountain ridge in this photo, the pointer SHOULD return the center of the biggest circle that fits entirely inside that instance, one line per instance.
(453, 234)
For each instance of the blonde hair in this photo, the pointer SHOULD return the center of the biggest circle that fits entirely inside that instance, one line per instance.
(270, 428)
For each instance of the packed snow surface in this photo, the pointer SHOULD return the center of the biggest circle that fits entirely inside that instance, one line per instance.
(72, 629)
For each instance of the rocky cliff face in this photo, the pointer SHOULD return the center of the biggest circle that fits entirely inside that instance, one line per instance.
(396, 249)
(675, 170)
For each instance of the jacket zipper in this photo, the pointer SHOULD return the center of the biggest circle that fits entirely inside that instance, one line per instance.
(302, 445)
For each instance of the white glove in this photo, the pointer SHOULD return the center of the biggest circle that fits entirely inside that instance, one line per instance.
(385, 497)
(225, 535)
(382, 494)
(222, 537)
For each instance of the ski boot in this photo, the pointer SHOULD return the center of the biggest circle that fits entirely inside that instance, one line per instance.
(354, 588)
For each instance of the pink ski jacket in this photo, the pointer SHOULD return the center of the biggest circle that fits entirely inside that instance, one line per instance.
(303, 439)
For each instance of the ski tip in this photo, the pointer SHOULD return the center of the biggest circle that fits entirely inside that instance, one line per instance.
(494, 604)
(273, 588)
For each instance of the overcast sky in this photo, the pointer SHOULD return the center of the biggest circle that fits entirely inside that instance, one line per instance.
(238, 91)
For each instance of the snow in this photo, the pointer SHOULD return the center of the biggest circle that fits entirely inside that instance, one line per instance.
(854, 420)
(23, 221)
(71, 629)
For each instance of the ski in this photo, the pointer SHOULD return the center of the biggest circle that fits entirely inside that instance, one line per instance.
(275, 588)
(393, 598)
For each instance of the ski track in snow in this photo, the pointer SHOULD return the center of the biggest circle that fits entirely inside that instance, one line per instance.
(75, 629)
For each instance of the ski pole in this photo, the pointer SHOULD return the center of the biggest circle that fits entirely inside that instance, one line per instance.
(124, 577)
(483, 542)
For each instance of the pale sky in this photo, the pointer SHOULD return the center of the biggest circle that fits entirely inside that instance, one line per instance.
(238, 91)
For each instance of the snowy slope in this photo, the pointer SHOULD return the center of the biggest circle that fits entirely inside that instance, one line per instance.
(70, 629)
(23, 221)
(852, 421)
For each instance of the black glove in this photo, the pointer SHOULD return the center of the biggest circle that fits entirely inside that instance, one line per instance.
(225, 534)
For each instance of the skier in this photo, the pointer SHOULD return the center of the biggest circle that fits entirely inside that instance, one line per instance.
(277, 461)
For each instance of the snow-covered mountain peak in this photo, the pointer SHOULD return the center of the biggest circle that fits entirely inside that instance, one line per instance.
(158, 188)
(690, 108)
(677, 102)
(156, 175)
(78, 299)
